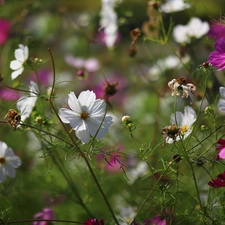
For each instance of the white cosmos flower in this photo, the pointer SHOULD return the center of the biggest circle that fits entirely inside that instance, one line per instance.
(8, 162)
(221, 103)
(174, 6)
(194, 29)
(26, 103)
(108, 21)
(184, 122)
(85, 115)
(21, 55)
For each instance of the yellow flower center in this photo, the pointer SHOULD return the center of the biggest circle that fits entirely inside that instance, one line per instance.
(84, 115)
(184, 128)
(2, 160)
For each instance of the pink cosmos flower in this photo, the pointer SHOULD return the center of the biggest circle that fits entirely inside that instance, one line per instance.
(218, 182)
(156, 220)
(221, 148)
(217, 58)
(217, 31)
(9, 94)
(94, 222)
(44, 76)
(4, 30)
(46, 214)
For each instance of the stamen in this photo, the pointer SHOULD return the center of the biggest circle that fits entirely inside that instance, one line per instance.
(2, 160)
(184, 128)
(84, 115)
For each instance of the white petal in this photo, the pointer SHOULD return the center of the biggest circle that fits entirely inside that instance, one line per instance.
(2, 174)
(3, 148)
(74, 103)
(14, 65)
(10, 171)
(94, 126)
(178, 119)
(87, 98)
(33, 88)
(16, 73)
(83, 135)
(189, 116)
(221, 104)
(19, 55)
(180, 34)
(15, 161)
(98, 108)
(222, 92)
(67, 115)
(25, 106)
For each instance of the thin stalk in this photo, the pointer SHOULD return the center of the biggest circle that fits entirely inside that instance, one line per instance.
(150, 193)
(78, 148)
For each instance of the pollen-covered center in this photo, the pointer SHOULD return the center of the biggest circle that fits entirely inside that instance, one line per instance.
(2, 160)
(184, 128)
(84, 115)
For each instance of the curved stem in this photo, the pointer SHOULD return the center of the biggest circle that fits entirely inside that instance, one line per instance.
(78, 148)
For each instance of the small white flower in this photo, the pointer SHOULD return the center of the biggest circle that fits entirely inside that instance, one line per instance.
(194, 29)
(8, 162)
(182, 123)
(174, 6)
(26, 103)
(221, 104)
(21, 55)
(108, 21)
(181, 86)
(85, 115)
(168, 63)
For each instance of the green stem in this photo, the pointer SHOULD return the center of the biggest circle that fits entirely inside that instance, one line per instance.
(78, 148)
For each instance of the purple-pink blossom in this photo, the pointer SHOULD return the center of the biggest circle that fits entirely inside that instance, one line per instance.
(94, 222)
(9, 94)
(217, 31)
(218, 182)
(156, 220)
(221, 148)
(45, 214)
(4, 30)
(217, 58)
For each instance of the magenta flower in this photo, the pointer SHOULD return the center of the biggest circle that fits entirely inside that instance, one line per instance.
(9, 94)
(218, 182)
(4, 30)
(221, 148)
(94, 222)
(46, 214)
(44, 76)
(156, 220)
(217, 58)
(217, 31)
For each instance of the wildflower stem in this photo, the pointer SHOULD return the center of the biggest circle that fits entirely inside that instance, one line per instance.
(150, 193)
(79, 150)
(53, 67)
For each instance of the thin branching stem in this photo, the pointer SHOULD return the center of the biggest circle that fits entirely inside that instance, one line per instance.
(80, 151)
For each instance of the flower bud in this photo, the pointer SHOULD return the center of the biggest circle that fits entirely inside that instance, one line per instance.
(127, 120)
